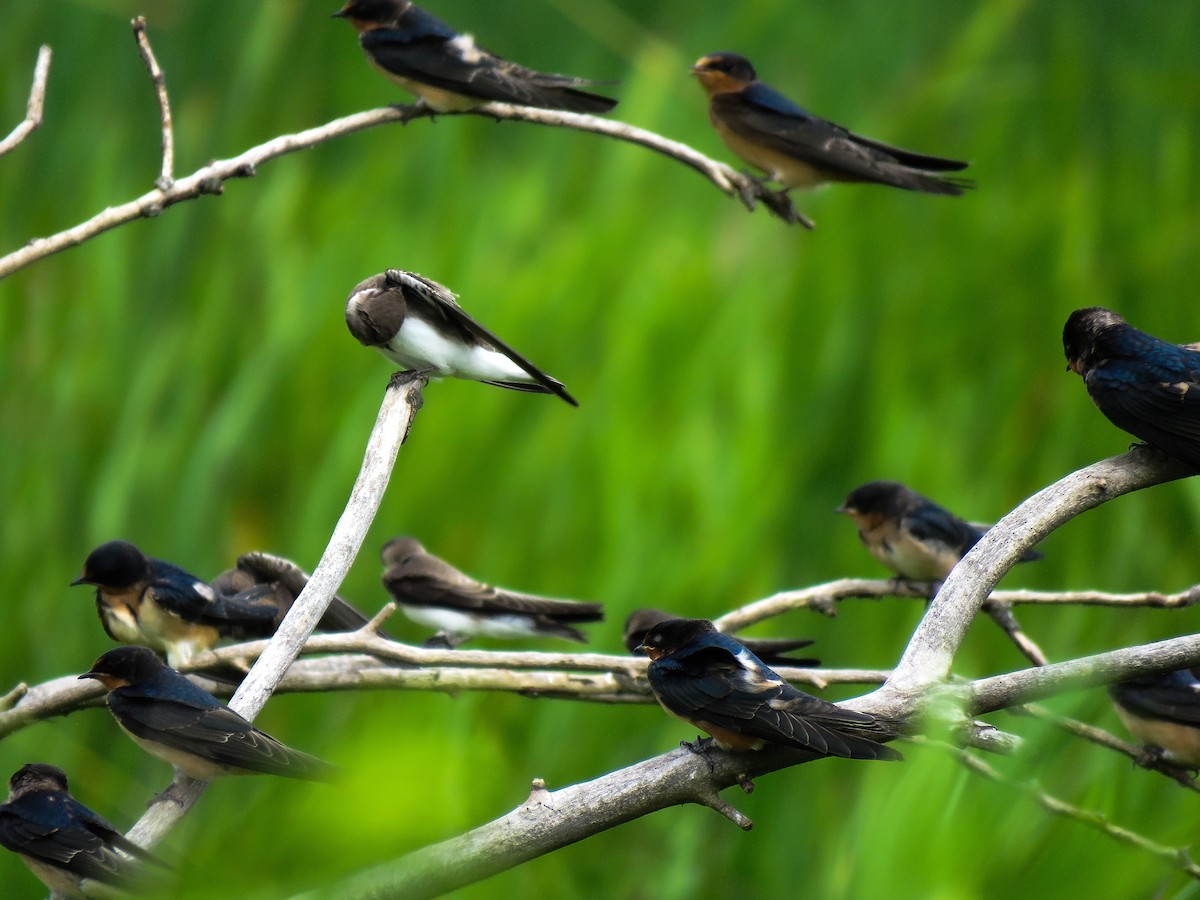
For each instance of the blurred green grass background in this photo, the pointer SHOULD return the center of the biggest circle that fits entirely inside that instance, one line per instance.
(188, 383)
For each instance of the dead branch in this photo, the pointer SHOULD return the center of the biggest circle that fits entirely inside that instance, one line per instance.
(164, 104)
(36, 105)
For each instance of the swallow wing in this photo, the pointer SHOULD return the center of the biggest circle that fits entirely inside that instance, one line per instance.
(438, 305)
(1157, 399)
(1172, 699)
(930, 522)
(56, 828)
(428, 51)
(215, 733)
(763, 115)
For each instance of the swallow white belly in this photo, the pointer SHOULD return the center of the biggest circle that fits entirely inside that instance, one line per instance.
(419, 346)
(453, 621)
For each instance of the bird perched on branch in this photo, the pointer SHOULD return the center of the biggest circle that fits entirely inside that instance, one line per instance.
(798, 149)
(62, 841)
(427, 57)
(909, 533)
(715, 683)
(418, 325)
(432, 592)
(1163, 712)
(1143, 385)
(170, 717)
(155, 604)
(770, 650)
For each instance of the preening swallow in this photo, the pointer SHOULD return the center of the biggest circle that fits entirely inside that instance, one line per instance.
(432, 592)
(772, 651)
(427, 57)
(63, 842)
(418, 325)
(798, 149)
(1143, 385)
(170, 717)
(715, 683)
(909, 533)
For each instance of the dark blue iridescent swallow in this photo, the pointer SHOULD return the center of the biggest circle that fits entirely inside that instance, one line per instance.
(1163, 712)
(1144, 385)
(772, 651)
(62, 841)
(909, 533)
(424, 55)
(798, 149)
(177, 721)
(715, 683)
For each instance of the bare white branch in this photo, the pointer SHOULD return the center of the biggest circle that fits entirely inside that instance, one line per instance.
(164, 105)
(400, 404)
(36, 105)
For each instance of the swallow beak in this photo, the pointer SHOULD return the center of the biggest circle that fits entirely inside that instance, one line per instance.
(82, 579)
(843, 509)
(89, 675)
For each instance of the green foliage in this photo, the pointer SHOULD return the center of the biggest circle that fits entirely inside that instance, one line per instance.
(188, 383)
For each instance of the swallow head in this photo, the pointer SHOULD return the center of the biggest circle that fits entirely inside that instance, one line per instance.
(1084, 332)
(640, 622)
(117, 564)
(36, 777)
(366, 14)
(374, 311)
(672, 636)
(125, 666)
(400, 550)
(724, 73)
(881, 499)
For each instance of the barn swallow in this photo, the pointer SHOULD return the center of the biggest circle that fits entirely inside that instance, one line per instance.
(715, 683)
(418, 325)
(909, 533)
(432, 592)
(798, 149)
(170, 717)
(62, 841)
(158, 605)
(1163, 712)
(427, 57)
(769, 650)
(1142, 384)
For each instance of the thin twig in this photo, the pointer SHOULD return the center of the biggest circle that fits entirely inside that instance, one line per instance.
(1179, 857)
(400, 404)
(36, 105)
(1002, 615)
(1102, 738)
(167, 178)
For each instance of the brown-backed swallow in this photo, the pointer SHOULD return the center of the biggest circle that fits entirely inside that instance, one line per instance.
(1142, 384)
(798, 149)
(432, 592)
(170, 717)
(1163, 712)
(273, 579)
(909, 533)
(427, 57)
(715, 683)
(63, 842)
(418, 325)
(770, 650)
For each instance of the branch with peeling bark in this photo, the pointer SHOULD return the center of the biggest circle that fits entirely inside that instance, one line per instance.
(210, 179)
